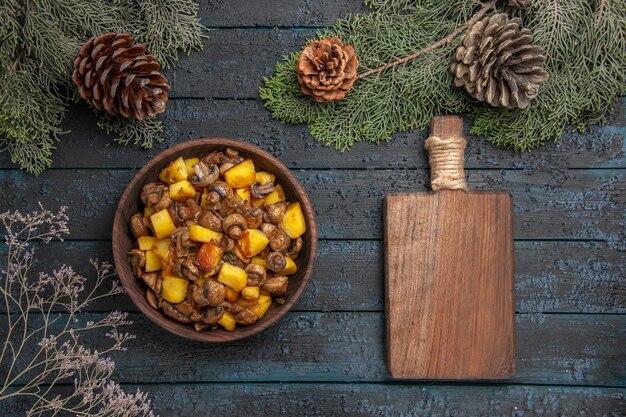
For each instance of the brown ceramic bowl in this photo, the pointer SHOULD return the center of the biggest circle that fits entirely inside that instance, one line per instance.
(123, 241)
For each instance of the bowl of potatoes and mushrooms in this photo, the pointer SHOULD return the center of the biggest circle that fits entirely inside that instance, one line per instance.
(214, 239)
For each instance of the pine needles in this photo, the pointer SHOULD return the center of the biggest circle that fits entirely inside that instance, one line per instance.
(585, 43)
(38, 43)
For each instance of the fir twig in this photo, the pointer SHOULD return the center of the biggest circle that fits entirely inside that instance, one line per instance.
(584, 42)
(442, 42)
(39, 41)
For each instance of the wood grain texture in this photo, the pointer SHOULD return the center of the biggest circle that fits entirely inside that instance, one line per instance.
(264, 13)
(87, 146)
(375, 400)
(575, 204)
(553, 349)
(553, 277)
(332, 364)
(129, 204)
(449, 298)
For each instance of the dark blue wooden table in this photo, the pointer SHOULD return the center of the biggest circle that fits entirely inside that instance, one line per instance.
(327, 356)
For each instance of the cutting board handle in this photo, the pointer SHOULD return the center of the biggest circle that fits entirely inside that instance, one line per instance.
(446, 150)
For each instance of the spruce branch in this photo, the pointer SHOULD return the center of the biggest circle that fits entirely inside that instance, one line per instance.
(584, 43)
(39, 41)
(442, 42)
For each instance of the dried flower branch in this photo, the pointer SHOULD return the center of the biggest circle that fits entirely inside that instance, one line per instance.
(42, 346)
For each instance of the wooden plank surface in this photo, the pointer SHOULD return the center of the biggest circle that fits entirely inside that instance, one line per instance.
(569, 349)
(550, 276)
(570, 277)
(571, 191)
(283, 13)
(86, 146)
(575, 204)
(375, 400)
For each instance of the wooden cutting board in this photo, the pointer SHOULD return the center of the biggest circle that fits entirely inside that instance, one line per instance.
(449, 277)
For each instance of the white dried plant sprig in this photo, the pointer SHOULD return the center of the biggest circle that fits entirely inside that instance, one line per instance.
(42, 346)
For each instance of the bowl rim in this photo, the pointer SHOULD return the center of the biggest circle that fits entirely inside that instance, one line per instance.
(185, 330)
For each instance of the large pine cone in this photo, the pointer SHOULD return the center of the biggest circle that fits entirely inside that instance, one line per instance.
(497, 62)
(117, 76)
(327, 69)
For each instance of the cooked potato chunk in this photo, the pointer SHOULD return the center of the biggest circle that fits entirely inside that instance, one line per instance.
(153, 261)
(146, 242)
(244, 193)
(293, 222)
(189, 163)
(275, 196)
(250, 293)
(290, 268)
(252, 241)
(259, 261)
(209, 256)
(228, 321)
(174, 289)
(231, 295)
(174, 172)
(182, 190)
(162, 224)
(263, 177)
(241, 175)
(202, 234)
(233, 277)
(263, 304)
(162, 248)
(240, 255)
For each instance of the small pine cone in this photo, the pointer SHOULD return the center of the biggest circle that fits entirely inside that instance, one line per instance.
(326, 69)
(497, 62)
(520, 3)
(117, 76)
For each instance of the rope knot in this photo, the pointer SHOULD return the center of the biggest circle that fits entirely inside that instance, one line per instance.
(446, 162)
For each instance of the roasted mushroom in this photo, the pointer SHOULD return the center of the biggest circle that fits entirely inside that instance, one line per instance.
(184, 308)
(276, 261)
(267, 228)
(245, 317)
(276, 286)
(156, 194)
(213, 314)
(197, 326)
(233, 225)
(295, 248)
(190, 210)
(151, 279)
(210, 220)
(137, 259)
(204, 174)
(183, 244)
(172, 312)
(184, 267)
(225, 167)
(139, 225)
(279, 240)
(222, 189)
(231, 153)
(274, 213)
(209, 293)
(152, 299)
(256, 275)
(227, 244)
(259, 191)
(254, 218)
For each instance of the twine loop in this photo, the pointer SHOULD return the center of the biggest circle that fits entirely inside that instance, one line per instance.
(446, 162)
